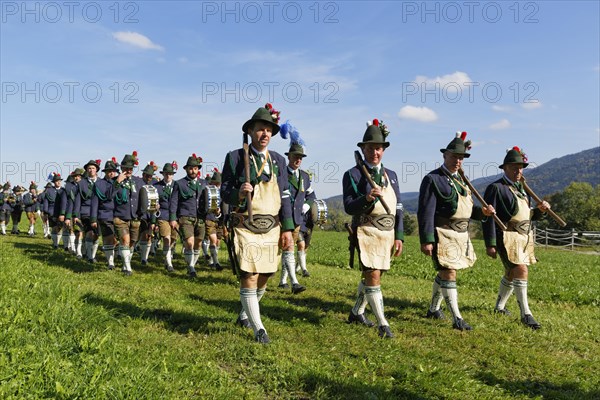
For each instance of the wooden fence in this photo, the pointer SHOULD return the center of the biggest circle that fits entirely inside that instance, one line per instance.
(569, 239)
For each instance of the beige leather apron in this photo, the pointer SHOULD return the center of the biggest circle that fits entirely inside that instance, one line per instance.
(260, 252)
(454, 249)
(519, 244)
(376, 246)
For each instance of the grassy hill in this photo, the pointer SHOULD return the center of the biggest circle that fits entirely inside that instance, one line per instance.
(73, 330)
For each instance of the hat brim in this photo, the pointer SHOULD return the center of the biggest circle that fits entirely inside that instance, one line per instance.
(94, 164)
(295, 153)
(503, 164)
(273, 125)
(466, 155)
(385, 144)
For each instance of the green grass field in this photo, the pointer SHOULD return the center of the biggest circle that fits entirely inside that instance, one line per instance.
(76, 331)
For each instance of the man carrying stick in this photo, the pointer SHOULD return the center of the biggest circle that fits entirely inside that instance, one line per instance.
(370, 190)
(254, 184)
(515, 246)
(445, 207)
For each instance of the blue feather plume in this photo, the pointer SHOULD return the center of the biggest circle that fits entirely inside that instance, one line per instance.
(50, 176)
(289, 130)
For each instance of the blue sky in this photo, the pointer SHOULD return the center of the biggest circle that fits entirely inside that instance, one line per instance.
(89, 80)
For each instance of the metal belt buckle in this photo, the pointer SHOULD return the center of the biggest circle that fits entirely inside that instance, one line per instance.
(459, 225)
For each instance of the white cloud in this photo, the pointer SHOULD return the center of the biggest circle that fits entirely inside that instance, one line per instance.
(502, 124)
(532, 106)
(501, 108)
(455, 81)
(137, 40)
(422, 114)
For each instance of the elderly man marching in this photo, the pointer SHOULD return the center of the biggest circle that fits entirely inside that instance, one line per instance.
(261, 213)
(445, 207)
(127, 212)
(186, 211)
(372, 196)
(102, 210)
(302, 196)
(515, 246)
(83, 208)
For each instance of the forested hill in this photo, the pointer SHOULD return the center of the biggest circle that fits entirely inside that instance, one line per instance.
(548, 178)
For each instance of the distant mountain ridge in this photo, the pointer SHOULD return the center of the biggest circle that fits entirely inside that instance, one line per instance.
(548, 178)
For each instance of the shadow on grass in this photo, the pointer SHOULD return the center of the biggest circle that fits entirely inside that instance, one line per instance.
(539, 388)
(176, 321)
(334, 389)
(44, 253)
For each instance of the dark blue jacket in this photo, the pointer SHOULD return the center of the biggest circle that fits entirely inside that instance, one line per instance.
(127, 198)
(355, 189)
(67, 199)
(30, 203)
(164, 199)
(83, 200)
(51, 204)
(438, 196)
(233, 177)
(499, 195)
(299, 197)
(103, 204)
(187, 199)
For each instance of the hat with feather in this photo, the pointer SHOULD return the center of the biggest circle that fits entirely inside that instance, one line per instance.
(111, 165)
(150, 169)
(265, 114)
(216, 176)
(193, 161)
(54, 177)
(169, 168)
(32, 185)
(376, 133)
(515, 156)
(130, 160)
(458, 145)
(95, 163)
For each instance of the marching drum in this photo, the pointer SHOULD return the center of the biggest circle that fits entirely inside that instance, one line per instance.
(213, 198)
(149, 200)
(318, 212)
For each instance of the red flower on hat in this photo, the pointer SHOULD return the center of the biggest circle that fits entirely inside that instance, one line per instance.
(376, 122)
(516, 149)
(216, 169)
(98, 161)
(114, 160)
(274, 113)
(463, 135)
(174, 164)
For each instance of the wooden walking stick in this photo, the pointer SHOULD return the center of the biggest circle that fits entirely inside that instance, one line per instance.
(247, 176)
(481, 200)
(537, 199)
(360, 163)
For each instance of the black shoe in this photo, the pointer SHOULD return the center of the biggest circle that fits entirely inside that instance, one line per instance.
(530, 322)
(169, 268)
(55, 247)
(79, 256)
(244, 323)
(127, 273)
(218, 267)
(207, 257)
(283, 286)
(306, 274)
(360, 319)
(144, 263)
(297, 288)
(92, 260)
(262, 337)
(192, 273)
(111, 267)
(461, 325)
(385, 332)
(504, 311)
(437, 314)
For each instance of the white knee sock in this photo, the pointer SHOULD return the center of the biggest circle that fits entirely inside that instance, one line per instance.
(290, 262)
(436, 295)
(214, 254)
(126, 254)
(249, 300)
(361, 300)
(109, 252)
(259, 295)
(302, 260)
(375, 299)
(504, 292)
(144, 250)
(521, 293)
(450, 294)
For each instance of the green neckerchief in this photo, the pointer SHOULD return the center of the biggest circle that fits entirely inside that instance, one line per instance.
(86, 194)
(167, 191)
(193, 185)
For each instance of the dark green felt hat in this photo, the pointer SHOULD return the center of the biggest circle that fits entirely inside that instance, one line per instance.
(296, 149)
(130, 160)
(216, 176)
(169, 168)
(95, 163)
(193, 161)
(265, 114)
(111, 165)
(150, 168)
(376, 133)
(458, 145)
(515, 156)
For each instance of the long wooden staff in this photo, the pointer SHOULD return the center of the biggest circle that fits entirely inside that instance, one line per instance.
(537, 199)
(481, 200)
(247, 175)
(363, 169)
